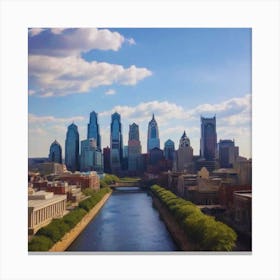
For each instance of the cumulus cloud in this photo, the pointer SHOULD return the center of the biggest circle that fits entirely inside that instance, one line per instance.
(233, 111)
(144, 110)
(73, 41)
(32, 118)
(49, 76)
(35, 31)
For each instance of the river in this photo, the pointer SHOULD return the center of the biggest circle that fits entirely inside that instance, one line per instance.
(126, 223)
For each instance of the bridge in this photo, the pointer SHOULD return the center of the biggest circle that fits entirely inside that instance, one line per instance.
(124, 184)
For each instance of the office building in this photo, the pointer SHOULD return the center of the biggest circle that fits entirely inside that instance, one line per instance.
(116, 142)
(208, 140)
(153, 135)
(93, 129)
(91, 156)
(169, 149)
(228, 153)
(184, 155)
(72, 148)
(134, 148)
(55, 154)
(106, 160)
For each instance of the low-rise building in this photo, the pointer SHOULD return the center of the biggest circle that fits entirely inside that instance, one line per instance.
(42, 208)
(242, 201)
(83, 180)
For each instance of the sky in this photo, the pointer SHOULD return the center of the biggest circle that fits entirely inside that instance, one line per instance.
(179, 74)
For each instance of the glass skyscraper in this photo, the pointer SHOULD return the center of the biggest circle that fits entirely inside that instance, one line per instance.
(55, 154)
(208, 140)
(134, 148)
(169, 149)
(116, 142)
(93, 129)
(153, 135)
(72, 148)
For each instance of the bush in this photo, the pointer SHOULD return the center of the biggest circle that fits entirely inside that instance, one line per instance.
(40, 243)
(204, 230)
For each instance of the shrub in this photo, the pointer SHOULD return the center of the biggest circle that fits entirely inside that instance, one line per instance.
(40, 243)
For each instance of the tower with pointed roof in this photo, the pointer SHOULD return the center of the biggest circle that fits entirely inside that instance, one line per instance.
(184, 154)
(153, 135)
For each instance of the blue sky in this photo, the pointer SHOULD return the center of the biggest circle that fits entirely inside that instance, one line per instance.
(178, 74)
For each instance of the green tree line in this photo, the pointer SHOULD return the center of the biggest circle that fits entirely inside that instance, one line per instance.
(203, 230)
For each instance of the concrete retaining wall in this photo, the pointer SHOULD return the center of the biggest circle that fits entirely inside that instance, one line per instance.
(69, 237)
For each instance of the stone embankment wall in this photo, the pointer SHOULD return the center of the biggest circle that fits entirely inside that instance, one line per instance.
(69, 237)
(173, 227)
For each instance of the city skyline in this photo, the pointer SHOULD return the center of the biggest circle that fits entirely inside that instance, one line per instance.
(199, 72)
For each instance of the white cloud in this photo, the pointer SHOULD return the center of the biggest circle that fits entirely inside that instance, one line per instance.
(51, 119)
(35, 31)
(57, 31)
(131, 41)
(110, 92)
(74, 41)
(61, 76)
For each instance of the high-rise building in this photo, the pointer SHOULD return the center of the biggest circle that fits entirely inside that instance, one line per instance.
(169, 149)
(91, 156)
(116, 152)
(228, 153)
(184, 155)
(106, 160)
(72, 148)
(134, 148)
(153, 135)
(208, 140)
(55, 154)
(93, 129)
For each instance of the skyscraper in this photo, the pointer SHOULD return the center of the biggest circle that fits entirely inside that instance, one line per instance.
(116, 142)
(169, 149)
(208, 140)
(134, 148)
(153, 135)
(93, 129)
(184, 154)
(91, 156)
(228, 153)
(72, 148)
(55, 154)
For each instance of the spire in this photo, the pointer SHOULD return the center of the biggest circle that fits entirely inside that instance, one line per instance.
(184, 134)
(153, 117)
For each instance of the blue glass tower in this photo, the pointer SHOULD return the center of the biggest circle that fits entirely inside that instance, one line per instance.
(93, 129)
(169, 149)
(55, 154)
(116, 143)
(153, 135)
(72, 148)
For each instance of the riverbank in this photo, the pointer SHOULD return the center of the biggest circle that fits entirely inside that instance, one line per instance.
(173, 227)
(69, 237)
